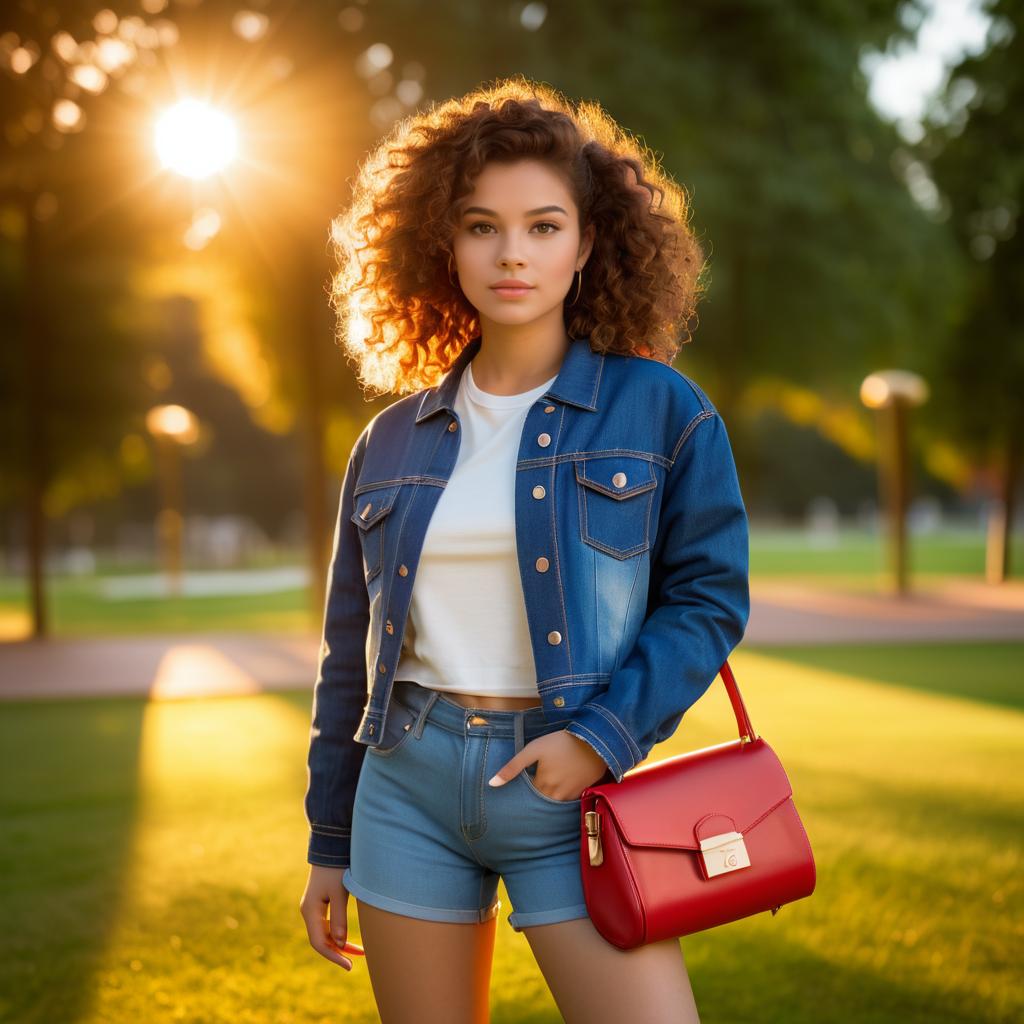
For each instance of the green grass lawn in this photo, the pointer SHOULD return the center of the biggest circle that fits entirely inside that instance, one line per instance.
(153, 854)
(79, 608)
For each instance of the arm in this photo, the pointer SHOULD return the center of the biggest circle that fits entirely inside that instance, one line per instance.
(340, 690)
(700, 593)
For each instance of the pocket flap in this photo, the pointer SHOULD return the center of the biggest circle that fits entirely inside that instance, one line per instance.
(373, 504)
(726, 783)
(618, 476)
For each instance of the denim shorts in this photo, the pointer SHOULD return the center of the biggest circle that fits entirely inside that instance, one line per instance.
(430, 837)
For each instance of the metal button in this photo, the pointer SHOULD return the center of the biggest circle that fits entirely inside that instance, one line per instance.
(554, 637)
(549, 408)
(478, 720)
(371, 730)
(539, 492)
(559, 702)
(619, 479)
(382, 667)
(453, 426)
(543, 440)
(403, 570)
(365, 514)
(542, 564)
(389, 627)
(407, 726)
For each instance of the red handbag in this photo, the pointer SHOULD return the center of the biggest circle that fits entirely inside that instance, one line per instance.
(693, 841)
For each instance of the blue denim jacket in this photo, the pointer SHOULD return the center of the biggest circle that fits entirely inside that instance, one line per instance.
(631, 536)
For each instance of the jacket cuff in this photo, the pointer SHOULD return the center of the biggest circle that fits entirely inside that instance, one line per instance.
(607, 735)
(330, 849)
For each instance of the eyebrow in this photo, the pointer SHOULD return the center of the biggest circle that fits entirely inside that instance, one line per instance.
(529, 213)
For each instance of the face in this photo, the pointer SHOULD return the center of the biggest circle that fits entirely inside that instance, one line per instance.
(520, 223)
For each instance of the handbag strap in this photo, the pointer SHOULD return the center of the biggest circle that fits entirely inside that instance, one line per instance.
(746, 730)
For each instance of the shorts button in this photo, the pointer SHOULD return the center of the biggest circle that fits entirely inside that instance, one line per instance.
(559, 702)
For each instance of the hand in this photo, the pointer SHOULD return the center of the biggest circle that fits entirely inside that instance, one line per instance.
(566, 765)
(324, 889)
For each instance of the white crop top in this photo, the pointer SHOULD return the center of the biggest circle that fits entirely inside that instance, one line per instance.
(467, 630)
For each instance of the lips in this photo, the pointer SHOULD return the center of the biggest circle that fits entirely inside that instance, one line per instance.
(511, 289)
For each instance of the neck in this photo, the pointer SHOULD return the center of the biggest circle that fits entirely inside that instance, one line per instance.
(513, 359)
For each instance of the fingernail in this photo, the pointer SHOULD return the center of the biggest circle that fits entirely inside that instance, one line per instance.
(495, 780)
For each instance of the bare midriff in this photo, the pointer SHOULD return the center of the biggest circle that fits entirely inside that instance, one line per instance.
(474, 700)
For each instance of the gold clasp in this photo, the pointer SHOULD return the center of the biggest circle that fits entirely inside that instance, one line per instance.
(723, 853)
(593, 823)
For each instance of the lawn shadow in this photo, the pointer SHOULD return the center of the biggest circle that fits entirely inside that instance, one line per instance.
(914, 666)
(69, 795)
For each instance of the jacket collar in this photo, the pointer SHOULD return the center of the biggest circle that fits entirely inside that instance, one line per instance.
(577, 383)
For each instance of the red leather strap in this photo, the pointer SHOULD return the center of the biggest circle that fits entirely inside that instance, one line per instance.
(738, 708)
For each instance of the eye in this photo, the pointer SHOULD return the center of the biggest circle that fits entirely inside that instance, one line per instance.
(543, 224)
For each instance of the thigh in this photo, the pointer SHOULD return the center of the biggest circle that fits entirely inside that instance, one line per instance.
(594, 982)
(427, 972)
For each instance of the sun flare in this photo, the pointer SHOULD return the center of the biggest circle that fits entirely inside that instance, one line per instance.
(195, 139)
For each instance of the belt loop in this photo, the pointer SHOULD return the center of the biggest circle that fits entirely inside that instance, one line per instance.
(518, 728)
(421, 718)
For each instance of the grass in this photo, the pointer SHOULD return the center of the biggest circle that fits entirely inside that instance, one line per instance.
(78, 606)
(153, 854)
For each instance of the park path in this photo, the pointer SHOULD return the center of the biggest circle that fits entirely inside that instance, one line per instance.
(167, 666)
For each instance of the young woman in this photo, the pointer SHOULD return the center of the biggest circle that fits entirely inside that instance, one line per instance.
(540, 559)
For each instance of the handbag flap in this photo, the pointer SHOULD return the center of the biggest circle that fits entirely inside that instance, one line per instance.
(680, 800)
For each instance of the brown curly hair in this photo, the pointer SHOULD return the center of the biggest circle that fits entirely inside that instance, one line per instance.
(399, 315)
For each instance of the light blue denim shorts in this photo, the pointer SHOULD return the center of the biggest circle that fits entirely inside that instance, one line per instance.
(430, 837)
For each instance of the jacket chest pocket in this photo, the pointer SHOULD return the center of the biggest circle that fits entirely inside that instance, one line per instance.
(373, 506)
(615, 495)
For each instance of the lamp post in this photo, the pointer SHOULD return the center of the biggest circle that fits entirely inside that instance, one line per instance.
(171, 427)
(893, 393)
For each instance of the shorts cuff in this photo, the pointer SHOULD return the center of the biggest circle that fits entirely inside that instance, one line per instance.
(520, 921)
(414, 910)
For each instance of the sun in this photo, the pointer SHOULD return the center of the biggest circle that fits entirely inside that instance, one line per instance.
(195, 139)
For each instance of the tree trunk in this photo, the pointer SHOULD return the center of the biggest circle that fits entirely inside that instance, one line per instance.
(37, 350)
(1000, 524)
(311, 347)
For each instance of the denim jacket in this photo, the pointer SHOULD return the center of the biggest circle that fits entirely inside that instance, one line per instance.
(632, 542)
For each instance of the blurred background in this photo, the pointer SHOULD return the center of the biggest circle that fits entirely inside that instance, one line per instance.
(175, 416)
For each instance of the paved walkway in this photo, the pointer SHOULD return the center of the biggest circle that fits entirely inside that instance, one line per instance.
(169, 666)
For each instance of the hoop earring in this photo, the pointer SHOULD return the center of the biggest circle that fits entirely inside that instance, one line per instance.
(454, 284)
(579, 285)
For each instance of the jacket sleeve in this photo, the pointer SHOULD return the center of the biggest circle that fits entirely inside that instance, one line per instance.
(339, 692)
(700, 596)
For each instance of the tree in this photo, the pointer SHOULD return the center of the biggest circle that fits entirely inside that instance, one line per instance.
(973, 147)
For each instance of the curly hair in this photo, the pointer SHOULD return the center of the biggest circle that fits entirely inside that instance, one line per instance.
(400, 316)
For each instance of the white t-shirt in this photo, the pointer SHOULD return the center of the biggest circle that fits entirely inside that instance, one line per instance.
(467, 630)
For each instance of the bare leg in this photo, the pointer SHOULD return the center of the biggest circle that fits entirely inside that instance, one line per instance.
(427, 972)
(594, 982)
